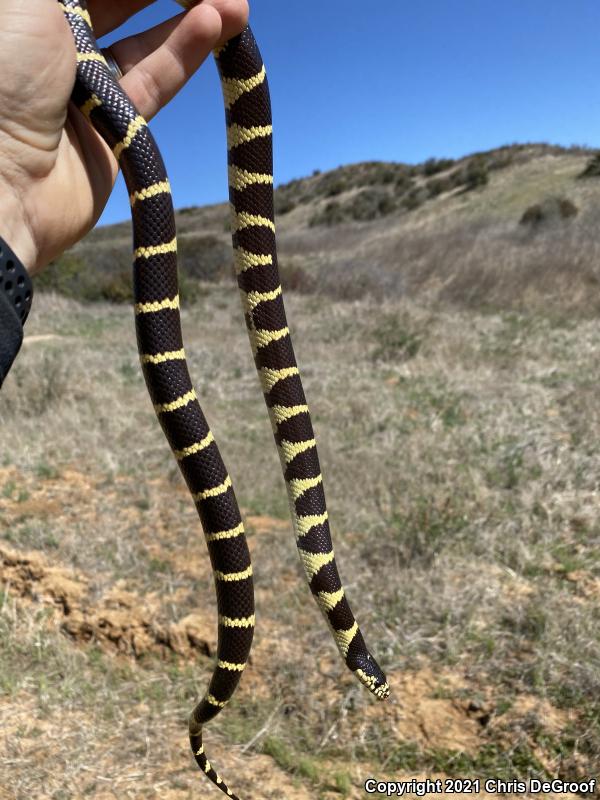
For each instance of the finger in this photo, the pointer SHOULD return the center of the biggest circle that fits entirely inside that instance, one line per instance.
(129, 52)
(109, 14)
(234, 17)
(158, 62)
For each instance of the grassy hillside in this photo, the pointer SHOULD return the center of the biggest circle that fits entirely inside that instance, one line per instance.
(449, 232)
(453, 383)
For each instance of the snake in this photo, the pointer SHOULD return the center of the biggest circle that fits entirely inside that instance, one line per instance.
(99, 97)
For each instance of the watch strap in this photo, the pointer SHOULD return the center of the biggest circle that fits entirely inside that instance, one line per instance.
(16, 294)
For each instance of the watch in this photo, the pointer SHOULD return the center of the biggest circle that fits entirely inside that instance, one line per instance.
(16, 293)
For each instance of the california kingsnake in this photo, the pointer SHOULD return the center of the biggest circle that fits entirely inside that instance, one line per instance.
(249, 136)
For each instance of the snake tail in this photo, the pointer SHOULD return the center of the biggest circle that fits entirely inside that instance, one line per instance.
(250, 161)
(158, 327)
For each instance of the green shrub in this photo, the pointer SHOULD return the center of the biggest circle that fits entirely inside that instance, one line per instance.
(119, 289)
(384, 174)
(103, 270)
(369, 204)
(295, 278)
(289, 195)
(332, 183)
(335, 187)
(437, 186)
(387, 205)
(387, 175)
(284, 203)
(395, 342)
(456, 178)
(567, 208)
(331, 214)
(206, 258)
(434, 165)
(592, 169)
(62, 274)
(476, 174)
(103, 273)
(532, 215)
(500, 160)
(404, 182)
(413, 199)
(190, 289)
(550, 209)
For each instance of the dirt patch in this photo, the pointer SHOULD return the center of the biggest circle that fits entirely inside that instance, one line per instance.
(587, 585)
(30, 576)
(424, 709)
(538, 712)
(119, 620)
(536, 720)
(70, 495)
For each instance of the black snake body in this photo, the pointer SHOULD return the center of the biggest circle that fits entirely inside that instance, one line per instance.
(249, 134)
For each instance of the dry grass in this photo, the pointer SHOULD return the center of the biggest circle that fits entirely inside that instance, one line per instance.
(470, 552)
(454, 385)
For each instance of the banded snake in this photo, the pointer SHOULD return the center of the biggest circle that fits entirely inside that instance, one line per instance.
(100, 98)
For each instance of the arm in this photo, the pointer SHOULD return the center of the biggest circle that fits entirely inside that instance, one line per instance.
(56, 174)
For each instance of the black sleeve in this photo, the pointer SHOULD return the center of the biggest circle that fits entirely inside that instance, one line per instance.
(16, 292)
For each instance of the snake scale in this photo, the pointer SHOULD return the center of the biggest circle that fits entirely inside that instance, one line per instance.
(249, 135)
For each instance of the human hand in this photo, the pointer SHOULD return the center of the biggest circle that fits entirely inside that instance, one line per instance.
(56, 173)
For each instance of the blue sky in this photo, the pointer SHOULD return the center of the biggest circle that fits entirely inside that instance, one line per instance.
(400, 80)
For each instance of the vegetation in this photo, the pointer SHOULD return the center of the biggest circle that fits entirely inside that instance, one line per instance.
(481, 198)
(471, 436)
(103, 272)
(592, 168)
(450, 360)
(476, 174)
(551, 209)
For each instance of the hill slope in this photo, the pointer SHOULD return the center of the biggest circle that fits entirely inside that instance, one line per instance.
(446, 231)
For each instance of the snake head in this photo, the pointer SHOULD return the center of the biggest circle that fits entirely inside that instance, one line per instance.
(373, 677)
